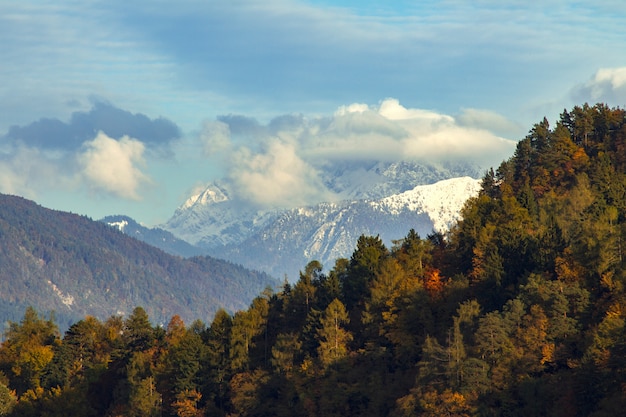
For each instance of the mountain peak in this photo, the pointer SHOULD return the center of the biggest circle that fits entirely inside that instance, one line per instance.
(442, 201)
(212, 194)
(380, 198)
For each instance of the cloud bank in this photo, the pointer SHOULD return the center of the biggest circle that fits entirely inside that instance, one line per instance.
(103, 117)
(280, 163)
(283, 163)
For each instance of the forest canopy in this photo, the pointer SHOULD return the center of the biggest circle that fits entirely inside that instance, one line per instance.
(518, 311)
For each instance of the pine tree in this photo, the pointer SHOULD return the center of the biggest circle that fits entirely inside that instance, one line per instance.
(333, 338)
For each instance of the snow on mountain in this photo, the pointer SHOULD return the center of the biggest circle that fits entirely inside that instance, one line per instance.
(119, 225)
(211, 195)
(328, 231)
(385, 199)
(442, 201)
(211, 219)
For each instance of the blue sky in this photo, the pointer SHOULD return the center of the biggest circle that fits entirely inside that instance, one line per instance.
(111, 107)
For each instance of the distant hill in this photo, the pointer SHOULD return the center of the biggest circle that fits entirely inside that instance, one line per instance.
(74, 266)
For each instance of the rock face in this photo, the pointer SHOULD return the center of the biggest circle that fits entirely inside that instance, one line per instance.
(379, 199)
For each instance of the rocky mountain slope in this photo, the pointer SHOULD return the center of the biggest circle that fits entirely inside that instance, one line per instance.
(327, 231)
(216, 218)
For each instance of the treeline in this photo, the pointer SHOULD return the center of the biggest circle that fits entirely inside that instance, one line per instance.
(519, 311)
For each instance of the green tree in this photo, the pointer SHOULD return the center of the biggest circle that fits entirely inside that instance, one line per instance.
(302, 297)
(495, 347)
(249, 335)
(143, 398)
(217, 366)
(412, 253)
(364, 264)
(285, 352)
(333, 337)
(392, 293)
(181, 378)
(83, 354)
(138, 332)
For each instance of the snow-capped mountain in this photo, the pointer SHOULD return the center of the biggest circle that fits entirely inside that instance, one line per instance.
(442, 201)
(211, 219)
(386, 199)
(329, 231)
(214, 218)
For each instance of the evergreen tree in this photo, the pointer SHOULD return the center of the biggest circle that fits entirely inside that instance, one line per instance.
(333, 337)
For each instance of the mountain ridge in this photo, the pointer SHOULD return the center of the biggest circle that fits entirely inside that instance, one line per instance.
(75, 266)
(216, 217)
(327, 231)
(280, 242)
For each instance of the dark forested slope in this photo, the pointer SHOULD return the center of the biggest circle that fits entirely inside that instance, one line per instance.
(59, 261)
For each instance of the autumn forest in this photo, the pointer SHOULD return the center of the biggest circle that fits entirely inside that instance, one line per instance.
(518, 311)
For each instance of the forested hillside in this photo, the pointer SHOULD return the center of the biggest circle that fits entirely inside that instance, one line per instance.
(519, 311)
(74, 266)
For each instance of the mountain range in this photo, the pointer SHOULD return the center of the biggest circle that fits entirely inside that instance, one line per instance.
(385, 199)
(328, 231)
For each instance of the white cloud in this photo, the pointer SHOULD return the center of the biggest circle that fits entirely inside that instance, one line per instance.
(393, 110)
(352, 108)
(393, 132)
(25, 171)
(459, 143)
(614, 78)
(102, 165)
(277, 177)
(113, 165)
(283, 169)
(489, 120)
(607, 85)
(12, 181)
